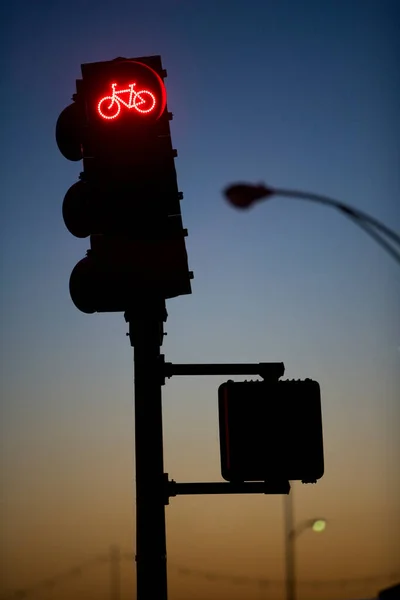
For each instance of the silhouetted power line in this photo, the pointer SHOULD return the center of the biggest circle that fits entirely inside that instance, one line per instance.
(77, 571)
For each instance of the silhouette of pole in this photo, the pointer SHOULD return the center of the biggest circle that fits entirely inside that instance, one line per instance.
(292, 532)
(289, 547)
(146, 334)
(115, 573)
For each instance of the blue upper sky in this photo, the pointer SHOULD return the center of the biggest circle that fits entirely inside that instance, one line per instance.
(297, 94)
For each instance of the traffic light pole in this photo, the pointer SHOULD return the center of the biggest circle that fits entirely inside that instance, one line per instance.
(153, 489)
(146, 333)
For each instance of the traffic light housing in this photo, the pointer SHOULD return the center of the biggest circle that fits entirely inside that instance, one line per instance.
(271, 431)
(127, 199)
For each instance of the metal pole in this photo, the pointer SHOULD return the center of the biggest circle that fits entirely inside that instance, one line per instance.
(145, 332)
(290, 547)
(115, 573)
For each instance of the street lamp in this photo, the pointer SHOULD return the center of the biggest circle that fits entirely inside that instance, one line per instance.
(244, 195)
(319, 525)
(291, 534)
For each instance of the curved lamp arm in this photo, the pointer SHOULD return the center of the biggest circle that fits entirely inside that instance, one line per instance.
(243, 195)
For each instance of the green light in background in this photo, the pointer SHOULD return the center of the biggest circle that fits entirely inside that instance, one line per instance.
(319, 525)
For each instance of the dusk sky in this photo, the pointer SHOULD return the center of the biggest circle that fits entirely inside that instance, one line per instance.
(298, 94)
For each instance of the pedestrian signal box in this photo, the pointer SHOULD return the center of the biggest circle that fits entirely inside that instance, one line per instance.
(271, 431)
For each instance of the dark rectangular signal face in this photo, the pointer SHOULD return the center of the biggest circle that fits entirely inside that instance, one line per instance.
(271, 430)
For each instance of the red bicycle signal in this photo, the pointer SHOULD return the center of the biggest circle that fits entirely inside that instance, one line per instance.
(143, 101)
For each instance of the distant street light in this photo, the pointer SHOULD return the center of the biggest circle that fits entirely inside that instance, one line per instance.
(244, 195)
(292, 532)
(319, 525)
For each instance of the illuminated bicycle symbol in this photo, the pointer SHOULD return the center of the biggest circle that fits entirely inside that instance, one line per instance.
(143, 101)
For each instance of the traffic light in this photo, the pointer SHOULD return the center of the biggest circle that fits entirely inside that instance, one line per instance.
(127, 198)
(271, 431)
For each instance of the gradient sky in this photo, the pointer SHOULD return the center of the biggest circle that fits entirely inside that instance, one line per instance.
(297, 94)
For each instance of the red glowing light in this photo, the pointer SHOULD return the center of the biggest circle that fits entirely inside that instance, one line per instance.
(142, 101)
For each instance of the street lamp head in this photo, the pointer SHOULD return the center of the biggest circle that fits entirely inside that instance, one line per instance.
(319, 525)
(243, 195)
